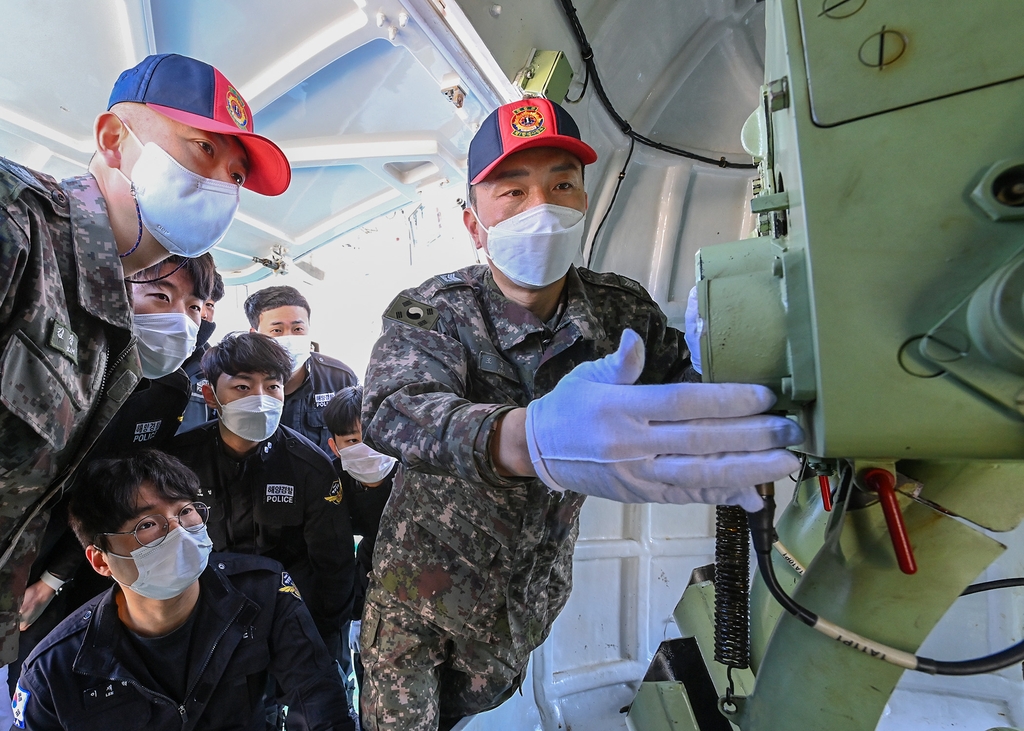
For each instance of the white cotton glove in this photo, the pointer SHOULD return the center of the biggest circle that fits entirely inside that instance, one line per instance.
(694, 326)
(598, 434)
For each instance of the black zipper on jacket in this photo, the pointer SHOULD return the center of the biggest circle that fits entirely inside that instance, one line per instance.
(202, 669)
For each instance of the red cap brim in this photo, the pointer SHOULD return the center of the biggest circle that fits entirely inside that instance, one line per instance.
(269, 171)
(577, 147)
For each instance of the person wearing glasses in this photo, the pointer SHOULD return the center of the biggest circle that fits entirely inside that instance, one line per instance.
(186, 638)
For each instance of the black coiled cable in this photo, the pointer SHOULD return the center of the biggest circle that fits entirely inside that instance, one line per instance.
(732, 581)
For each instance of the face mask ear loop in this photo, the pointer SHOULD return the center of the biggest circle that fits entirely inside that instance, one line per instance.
(150, 281)
(138, 215)
(220, 406)
(135, 199)
(482, 249)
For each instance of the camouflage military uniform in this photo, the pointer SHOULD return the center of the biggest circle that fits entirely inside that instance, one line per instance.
(471, 568)
(68, 362)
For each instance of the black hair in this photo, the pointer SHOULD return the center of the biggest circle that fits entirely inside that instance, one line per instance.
(200, 270)
(270, 299)
(217, 290)
(246, 353)
(107, 494)
(341, 415)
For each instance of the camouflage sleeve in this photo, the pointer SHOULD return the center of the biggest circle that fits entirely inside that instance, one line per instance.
(415, 406)
(14, 251)
(667, 357)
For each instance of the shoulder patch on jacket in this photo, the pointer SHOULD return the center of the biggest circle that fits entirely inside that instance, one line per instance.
(288, 586)
(18, 704)
(336, 493)
(451, 279)
(412, 312)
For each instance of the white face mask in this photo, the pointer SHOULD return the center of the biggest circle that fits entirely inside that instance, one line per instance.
(298, 347)
(364, 464)
(535, 248)
(187, 213)
(253, 418)
(166, 339)
(167, 569)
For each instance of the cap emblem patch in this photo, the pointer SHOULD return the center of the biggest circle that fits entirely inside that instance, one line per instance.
(527, 122)
(236, 108)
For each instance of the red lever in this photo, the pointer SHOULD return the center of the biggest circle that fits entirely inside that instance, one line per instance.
(826, 492)
(884, 483)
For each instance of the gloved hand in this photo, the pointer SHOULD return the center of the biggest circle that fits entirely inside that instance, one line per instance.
(598, 434)
(694, 326)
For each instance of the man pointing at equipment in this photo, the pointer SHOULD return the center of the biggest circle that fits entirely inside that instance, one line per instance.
(512, 391)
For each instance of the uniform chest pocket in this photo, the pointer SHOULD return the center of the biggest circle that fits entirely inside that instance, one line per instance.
(315, 418)
(43, 392)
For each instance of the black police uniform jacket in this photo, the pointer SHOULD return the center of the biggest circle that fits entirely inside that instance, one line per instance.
(283, 501)
(304, 407)
(249, 623)
(149, 418)
(366, 506)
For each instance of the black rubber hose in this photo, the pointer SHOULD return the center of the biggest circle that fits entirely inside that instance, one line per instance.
(762, 535)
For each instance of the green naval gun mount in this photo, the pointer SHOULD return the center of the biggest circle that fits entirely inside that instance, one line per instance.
(882, 300)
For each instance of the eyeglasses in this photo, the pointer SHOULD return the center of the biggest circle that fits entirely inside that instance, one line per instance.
(153, 529)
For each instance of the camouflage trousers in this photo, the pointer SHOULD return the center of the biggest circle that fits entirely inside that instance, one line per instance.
(418, 677)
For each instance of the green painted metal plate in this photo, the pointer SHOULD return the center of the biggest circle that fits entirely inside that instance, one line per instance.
(866, 57)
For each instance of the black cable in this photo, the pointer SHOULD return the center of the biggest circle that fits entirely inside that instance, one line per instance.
(762, 533)
(587, 53)
(800, 475)
(159, 278)
(990, 585)
(579, 98)
(618, 184)
(988, 664)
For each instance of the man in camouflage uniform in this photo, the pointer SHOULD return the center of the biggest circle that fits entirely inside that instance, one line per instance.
(69, 353)
(473, 560)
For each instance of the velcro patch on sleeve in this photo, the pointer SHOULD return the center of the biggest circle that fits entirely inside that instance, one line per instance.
(409, 311)
(18, 704)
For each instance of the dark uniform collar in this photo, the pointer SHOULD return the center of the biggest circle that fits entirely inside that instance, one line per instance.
(96, 655)
(264, 451)
(513, 322)
(101, 287)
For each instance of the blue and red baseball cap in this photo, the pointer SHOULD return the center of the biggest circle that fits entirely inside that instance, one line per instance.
(197, 94)
(534, 122)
